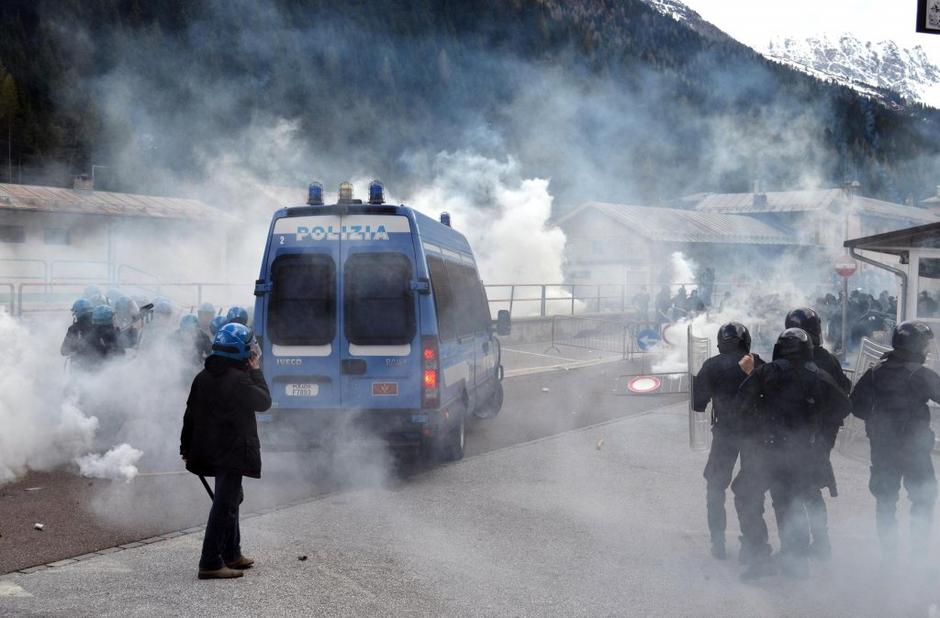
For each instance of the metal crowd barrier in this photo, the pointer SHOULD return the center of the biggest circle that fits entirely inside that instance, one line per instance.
(591, 334)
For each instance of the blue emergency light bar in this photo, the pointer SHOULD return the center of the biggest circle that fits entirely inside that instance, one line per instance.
(376, 192)
(445, 218)
(315, 194)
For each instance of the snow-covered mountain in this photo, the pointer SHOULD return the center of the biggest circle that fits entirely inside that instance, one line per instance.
(863, 65)
(878, 69)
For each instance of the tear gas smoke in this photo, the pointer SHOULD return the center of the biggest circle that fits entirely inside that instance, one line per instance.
(117, 464)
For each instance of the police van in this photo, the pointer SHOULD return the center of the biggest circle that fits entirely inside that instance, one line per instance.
(372, 318)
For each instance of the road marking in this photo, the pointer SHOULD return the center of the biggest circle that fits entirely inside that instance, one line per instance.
(573, 360)
(9, 589)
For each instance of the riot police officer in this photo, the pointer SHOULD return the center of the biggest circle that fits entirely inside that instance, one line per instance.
(808, 320)
(104, 341)
(76, 345)
(237, 315)
(891, 398)
(788, 400)
(718, 382)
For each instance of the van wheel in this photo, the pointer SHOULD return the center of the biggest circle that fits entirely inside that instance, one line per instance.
(451, 445)
(492, 406)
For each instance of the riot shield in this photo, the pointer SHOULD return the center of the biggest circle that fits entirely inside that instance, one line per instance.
(700, 424)
(852, 441)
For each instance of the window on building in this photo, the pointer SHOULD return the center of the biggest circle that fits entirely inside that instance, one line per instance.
(56, 236)
(12, 233)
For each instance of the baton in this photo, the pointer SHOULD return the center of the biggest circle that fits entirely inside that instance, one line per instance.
(206, 485)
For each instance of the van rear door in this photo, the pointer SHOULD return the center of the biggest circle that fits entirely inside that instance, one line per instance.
(302, 318)
(380, 367)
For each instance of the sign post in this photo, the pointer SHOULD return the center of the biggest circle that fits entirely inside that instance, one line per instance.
(845, 268)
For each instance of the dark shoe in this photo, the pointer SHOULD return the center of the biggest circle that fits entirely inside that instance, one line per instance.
(242, 562)
(760, 567)
(223, 573)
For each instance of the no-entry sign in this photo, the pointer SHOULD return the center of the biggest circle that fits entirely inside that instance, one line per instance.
(644, 385)
(845, 266)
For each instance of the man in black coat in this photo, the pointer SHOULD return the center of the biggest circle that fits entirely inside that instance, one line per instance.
(788, 400)
(891, 398)
(718, 381)
(823, 476)
(220, 439)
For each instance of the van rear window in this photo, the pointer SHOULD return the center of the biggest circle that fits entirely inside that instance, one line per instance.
(378, 304)
(302, 310)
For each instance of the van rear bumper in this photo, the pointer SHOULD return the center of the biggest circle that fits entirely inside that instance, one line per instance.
(293, 429)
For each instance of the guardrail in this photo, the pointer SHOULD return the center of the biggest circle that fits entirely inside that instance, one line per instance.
(545, 299)
(33, 297)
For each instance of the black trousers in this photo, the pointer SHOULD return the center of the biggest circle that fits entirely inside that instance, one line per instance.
(222, 542)
(782, 470)
(726, 446)
(896, 459)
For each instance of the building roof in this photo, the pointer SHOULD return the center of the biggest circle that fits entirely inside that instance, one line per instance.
(809, 200)
(899, 241)
(684, 226)
(104, 203)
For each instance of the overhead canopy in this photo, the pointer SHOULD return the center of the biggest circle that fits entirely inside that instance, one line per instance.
(899, 242)
(684, 226)
(86, 202)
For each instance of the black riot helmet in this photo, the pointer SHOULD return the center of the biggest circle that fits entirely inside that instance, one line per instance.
(794, 344)
(808, 320)
(913, 338)
(733, 337)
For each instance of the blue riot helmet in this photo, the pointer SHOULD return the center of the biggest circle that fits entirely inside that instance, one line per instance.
(126, 310)
(163, 306)
(114, 295)
(217, 323)
(82, 308)
(233, 341)
(189, 322)
(103, 315)
(237, 315)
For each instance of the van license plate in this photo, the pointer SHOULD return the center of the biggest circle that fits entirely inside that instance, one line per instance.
(384, 389)
(302, 390)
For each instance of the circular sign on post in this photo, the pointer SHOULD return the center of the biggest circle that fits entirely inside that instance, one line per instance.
(643, 385)
(845, 266)
(647, 339)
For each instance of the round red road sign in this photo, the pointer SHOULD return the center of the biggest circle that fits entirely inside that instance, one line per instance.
(643, 385)
(845, 265)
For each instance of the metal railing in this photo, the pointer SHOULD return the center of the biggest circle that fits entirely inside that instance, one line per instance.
(545, 299)
(598, 334)
(35, 297)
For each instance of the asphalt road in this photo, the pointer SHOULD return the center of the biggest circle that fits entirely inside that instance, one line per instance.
(562, 526)
(82, 515)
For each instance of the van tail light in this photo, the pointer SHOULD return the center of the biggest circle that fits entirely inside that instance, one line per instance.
(430, 373)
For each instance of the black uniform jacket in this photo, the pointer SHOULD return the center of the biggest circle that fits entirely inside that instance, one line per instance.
(828, 363)
(219, 427)
(892, 396)
(784, 400)
(718, 381)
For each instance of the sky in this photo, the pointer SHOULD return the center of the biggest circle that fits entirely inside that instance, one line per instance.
(755, 22)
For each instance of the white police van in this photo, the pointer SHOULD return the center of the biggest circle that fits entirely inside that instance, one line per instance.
(372, 318)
